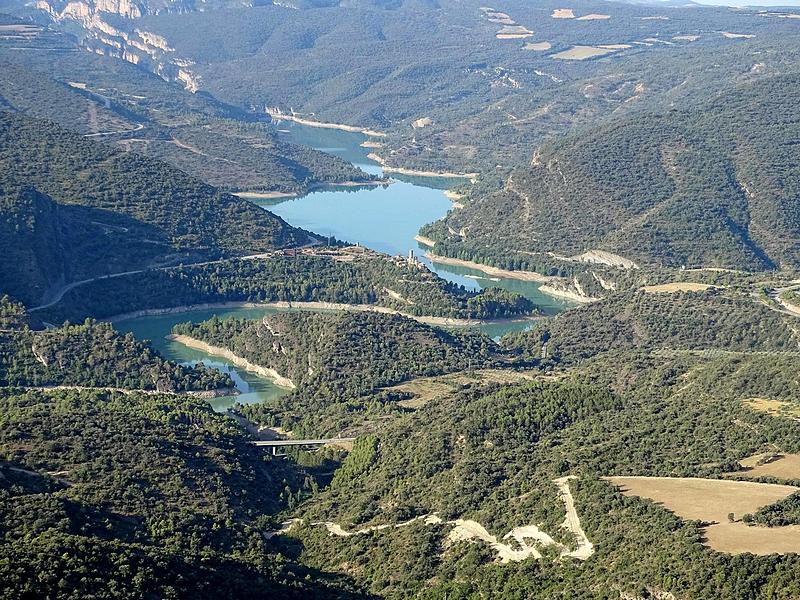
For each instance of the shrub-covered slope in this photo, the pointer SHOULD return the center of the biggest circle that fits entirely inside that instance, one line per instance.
(714, 187)
(341, 359)
(74, 208)
(111, 495)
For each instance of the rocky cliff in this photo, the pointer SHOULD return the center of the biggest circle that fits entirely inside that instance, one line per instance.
(110, 28)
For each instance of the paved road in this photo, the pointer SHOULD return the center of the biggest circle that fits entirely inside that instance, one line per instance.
(71, 286)
(319, 442)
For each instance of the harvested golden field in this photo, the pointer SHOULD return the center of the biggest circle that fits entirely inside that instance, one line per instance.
(776, 408)
(782, 466)
(738, 538)
(678, 286)
(582, 53)
(711, 501)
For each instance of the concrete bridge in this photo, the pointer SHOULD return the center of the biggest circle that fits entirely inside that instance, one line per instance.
(277, 445)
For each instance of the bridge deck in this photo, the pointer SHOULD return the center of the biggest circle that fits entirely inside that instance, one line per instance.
(321, 442)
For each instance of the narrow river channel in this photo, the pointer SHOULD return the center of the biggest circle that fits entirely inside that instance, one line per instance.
(385, 218)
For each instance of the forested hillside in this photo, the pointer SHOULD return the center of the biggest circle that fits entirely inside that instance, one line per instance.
(108, 495)
(94, 355)
(487, 88)
(339, 362)
(74, 208)
(491, 456)
(713, 319)
(714, 187)
(349, 276)
(641, 158)
(112, 100)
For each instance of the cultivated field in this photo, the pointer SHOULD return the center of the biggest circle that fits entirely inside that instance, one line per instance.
(582, 53)
(594, 17)
(538, 46)
(513, 32)
(711, 501)
(781, 466)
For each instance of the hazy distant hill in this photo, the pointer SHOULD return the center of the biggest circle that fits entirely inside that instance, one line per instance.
(487, 85)
(46, 75)
(716, 186)
(73, 208)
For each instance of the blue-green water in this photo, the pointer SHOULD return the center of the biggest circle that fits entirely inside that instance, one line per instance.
(253, 389)
(385, 218)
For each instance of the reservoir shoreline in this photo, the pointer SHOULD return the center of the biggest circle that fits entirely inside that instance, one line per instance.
(489, 270)
(321, 306)
(413, 172)
(245, 364)
(279, 116)
(256, 195)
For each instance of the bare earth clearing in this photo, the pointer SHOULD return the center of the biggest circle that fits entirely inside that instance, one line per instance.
(777, 408)
(711, 501)
(426, 389)
(738, 36)
(603, 257)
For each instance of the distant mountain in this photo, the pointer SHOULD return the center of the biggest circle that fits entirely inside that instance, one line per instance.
(73, 208)
(484, 96)
(715, 187)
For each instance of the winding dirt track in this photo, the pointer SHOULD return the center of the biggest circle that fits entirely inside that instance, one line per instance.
(528, 539)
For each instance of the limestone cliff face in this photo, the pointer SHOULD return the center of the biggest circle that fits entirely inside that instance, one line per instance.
(124, 39)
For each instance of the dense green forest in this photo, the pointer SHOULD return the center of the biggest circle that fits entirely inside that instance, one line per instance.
(94, 355)
(13, 316)
(675, 150)
(365, 279)
(340, 361)
(490, 101)
(73, 208)
(489, 454)
(108, 495)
